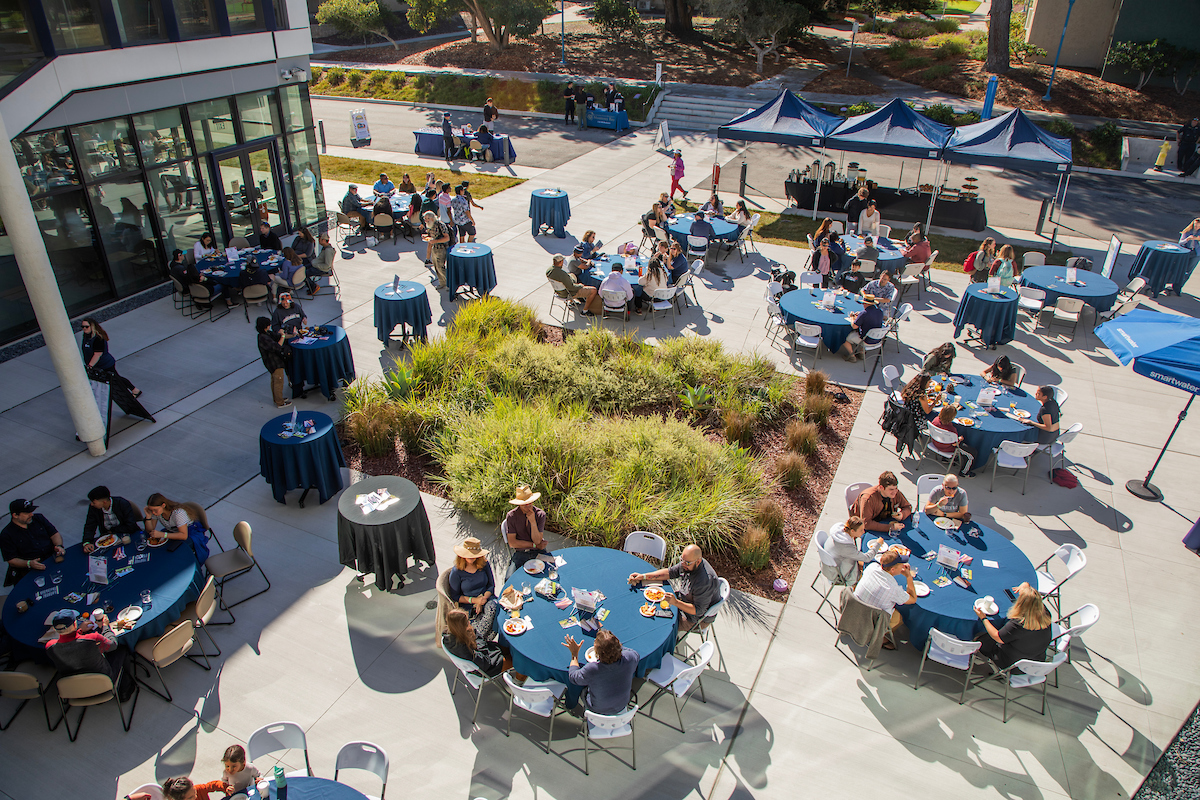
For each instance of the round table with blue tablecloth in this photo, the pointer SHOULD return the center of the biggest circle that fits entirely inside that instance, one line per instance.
(171, 573)
(432, 142)
(539, 653)
(306, 788)
(1092, 288)
(890, 257)
(406, 305)
(470, 264)
(326, 362)
(602, 266)
(550, 207)
(301, 462)
(995, 315)
(804, 305)
(218, 269)
(991, 426)
(681, 226)
(950, 608)
(1163, 264)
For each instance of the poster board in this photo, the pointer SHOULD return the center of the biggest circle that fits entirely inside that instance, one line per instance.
(1110, 257)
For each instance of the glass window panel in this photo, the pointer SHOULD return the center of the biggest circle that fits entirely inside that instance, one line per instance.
(265, 190)
(196, 18)
(139, 21)
(16, 312)
(71, 244)
(306, 177)
(75, 24)
(161, 136)
(104, 148)
(212, 125)
(178, 197)
(281, 19)
(245, 15)
(46, 161)
(18, 44)
(297, 113)
(260, 115)
(122, 221)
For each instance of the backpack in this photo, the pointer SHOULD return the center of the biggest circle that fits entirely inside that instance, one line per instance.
(969, 264)
(1065, 478)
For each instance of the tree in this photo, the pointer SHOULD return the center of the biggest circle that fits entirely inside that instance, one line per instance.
(1144, 58)
(1183, 62)
(618, 19)
(766, 25)
(998, 37)
(356, 18)
(678, 17)
(499, 19)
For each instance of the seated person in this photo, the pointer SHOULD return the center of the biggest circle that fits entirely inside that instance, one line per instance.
(918, 229)
(679, 262)
(305, 245)
(869, 219)
(882, 288)
(843, 545)
(915, 397)
(655, 218)
(267, 238)
(653, 278)
(576, 292)
(870, 318)
(949, 500)
(837, 248)
(616, 281)
(526, 527)
(868, 251)
(741, 215)
(290, 265)
(1001, 371)
(697, 590)
(406, 185)
(485, 137)
(192, 277)
(288, 316)
(108, 515)
(237, 776)
(207, 246)
(714, 207)
(473, 586)
(701, 226)
(877, 587)
(882, 507)
(352, 205)
(323, 263)
(383, 187)
(579, 263)
(460, 641)
(94, 650)
(919, 251)
(590, 245)
(667, 204)
(178, 268)
(27, 541)
(1047, 417)
(253, 275)
(608, 679)
(939, 360)
(167, 519)
(945, 421)
(1026, 635)
(382, 206)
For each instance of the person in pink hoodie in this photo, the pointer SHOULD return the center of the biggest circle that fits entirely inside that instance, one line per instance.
(676, 174)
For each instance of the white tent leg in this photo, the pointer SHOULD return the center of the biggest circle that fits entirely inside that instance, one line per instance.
(933, 197)
(817, 194)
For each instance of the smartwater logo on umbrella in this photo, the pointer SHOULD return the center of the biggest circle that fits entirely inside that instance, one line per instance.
(1127, 338)
(1173, 381)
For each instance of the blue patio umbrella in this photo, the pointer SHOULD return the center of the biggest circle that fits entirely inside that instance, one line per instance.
(1165, 347)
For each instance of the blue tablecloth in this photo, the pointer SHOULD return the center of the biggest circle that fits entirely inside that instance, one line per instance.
(993, 426)
(316, 460)
(797, 306)
(550, 209)
(1097, 291)
(890, 257)
(431, 142)
(219, 270)
(616, 120)
(602, 266)
(173, 579)
(540, 654)
(1163, 264)
(409, 307)
(680, 228)
(950, 608)
(305, 788)
(470, 264)
(325, 363)
(994, 315)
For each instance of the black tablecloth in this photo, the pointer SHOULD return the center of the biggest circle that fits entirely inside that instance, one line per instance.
(382, 541)
(290, 463)
(893, 204)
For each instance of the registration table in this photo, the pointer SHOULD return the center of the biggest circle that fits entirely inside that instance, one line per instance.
(804, 305)
(325, 362)
(171, 574)
(950, 608)
(381, 541)
(995, 315)
(431, 142)
(1092, 288)
(988, 427)
(1163, 264)
(680, 228)
(602, 266)
(220, 270)
(539, 653)
(295, 462)
(305, 788)
(890, 257)
(470, 264)
(550, 207)
(404, 305)
(613, 120)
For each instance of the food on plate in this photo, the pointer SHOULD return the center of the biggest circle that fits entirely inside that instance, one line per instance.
(966, 421)
(106, 541)
(654, 593)
(514, 626)
(535, 566)
(647, 609)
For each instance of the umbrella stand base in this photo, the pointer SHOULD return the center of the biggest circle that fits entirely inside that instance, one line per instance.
(1146, 491)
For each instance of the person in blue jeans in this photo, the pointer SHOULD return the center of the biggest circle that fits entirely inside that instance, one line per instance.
(870, 318)
(609, 679)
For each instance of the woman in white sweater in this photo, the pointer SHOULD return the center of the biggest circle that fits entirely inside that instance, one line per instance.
(205, 247)
(868, 220)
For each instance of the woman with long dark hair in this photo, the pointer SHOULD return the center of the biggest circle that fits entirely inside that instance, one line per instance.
(168, 519)
(96, 355)
(460, 640)
(916, 400)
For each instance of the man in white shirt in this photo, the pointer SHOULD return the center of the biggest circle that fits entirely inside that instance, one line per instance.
(617, 282)
(884, 292)
(878, 588)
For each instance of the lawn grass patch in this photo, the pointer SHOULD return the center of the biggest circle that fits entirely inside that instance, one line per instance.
(365, 173)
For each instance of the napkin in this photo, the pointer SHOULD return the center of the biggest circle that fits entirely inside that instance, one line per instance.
(528, 623)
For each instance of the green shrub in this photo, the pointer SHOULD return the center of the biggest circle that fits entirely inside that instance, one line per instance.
(617, 19)
(915, 62)
(911, 28)
(754, 550)
(815, 382)
(696, 399)
(898, 50)
(940, 112)
(792, 470)
(946, 25)
(1059, 126)
(770, 515)
(950, 48)
(938, 71)
(396, 80)
(818, 408)
(802, 436)
(865, 107)
(370, 417)
(315, 74)
(378, 77)
(1107, 135)
(978, 49)
(354, 78)
(334, 76)
(969, 118)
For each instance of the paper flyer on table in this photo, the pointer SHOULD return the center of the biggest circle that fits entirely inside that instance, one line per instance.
(98, 569)
(992, 564)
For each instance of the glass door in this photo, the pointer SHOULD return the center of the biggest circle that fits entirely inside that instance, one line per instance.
(246, 182)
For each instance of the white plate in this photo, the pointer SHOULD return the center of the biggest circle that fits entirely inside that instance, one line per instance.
(535, 566)
(514, 627)
(654, 593)
(151, 543)
(591, 656)
(980, 604)
(130, 613)
(966, 422)
(921, 587)
(945, 523)
(113, 541)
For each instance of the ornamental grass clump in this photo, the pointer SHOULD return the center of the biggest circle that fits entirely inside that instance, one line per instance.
(802, 436)
(770, 515)
(815, 382)
(818, 408)
(754, 549)
(792, 470)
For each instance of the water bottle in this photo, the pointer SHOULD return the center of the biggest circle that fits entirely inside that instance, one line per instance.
(280, 783)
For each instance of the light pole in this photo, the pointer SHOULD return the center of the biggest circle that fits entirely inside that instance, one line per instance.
(1049, 86)
(564, 31)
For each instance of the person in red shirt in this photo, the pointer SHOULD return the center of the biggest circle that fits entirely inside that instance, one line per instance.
(93, 650)
(919, 251)
(945, 421)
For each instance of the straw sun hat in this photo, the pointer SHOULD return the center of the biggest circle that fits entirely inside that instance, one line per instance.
(525, 496)
(470, 548)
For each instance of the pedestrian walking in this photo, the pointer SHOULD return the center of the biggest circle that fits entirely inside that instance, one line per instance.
(569, 103)
(1187, 136)
(97, 357)
(448, 137)
(676, 174)
(581, 105)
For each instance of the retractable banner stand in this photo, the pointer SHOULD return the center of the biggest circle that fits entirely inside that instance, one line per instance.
(1110, 257)
(662, 139)
(108, 389)
(360, 133)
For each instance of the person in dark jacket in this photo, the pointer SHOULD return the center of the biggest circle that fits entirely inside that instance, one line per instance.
(1026, 635)
(270, 348)
(569, 103)
(27, 541)
(107, 514)
(855, 205)
(95, 650)
(267, 238)
(460, 640)
(95, 352)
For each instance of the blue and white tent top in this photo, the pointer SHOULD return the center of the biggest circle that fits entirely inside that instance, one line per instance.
(894, 130)
(1011, 141)
(787, 119)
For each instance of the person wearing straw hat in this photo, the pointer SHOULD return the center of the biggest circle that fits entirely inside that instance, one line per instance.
(525, 527)
(473, 586)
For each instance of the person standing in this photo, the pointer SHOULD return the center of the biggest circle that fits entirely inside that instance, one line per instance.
(274, 358)
(676, 174)
(581, 106)
(569, 103)
(1186, 138)
(490, 114)
(448, 137)
(27, 541)
(437, 236)
(460, 212)
(96, 355)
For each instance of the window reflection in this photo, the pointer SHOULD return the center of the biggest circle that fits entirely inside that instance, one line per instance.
(196, 18)
(19, 48)
(177, 194)
(16, 312)
(139, 21)
(260, 116)
(122, 222)
(244, 16)
(297, 113)
(212, 125)
(104, 148)
(71, 244)
(45, 160)
(161, 136)
(74, 24)
(306, 177)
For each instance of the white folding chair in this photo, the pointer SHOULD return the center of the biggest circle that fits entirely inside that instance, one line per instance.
(1067, 309)
(885, 231)
(682, 285)
(644, 543)
(911, 277)
(697, 246)
(1132, 288)
(938, 436)
(894, 325)
(948, 651)
(705, 624)
(662, 300)
(614, 726)
(558, 291)
(1018, 375)
(1032, 259)
(365, 756)
(1118, 310)
(165, 651)
(774, 321)
(540, 698)
(1015, 456)
(92, 689)
(866, 266)
(472, 677)
(1024, 674)
(879, 335)
(1060, 395)
(891, 375)
(1051, 588)
(807, 337)
(1031, 301)
(927, 484)
(829, 569)
(677, 678)
(810, 279)
(1059, 448)
(1064, 632)
(927, 269)
(852, 493)
(741, 243)
(836, 227)
(276, 737)
(697, 268)
(614, 302)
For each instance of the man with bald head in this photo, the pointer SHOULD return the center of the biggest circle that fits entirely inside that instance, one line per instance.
(697, 587)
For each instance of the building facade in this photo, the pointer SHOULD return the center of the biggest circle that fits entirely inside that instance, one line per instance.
(1095, 24)
(137, 126)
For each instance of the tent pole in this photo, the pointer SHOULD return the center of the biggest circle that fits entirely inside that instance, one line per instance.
(933, 197)
(920, 164)
(817, 193)
(1143, 488)
(1058, 211)
(900, 183)
(1054, 201)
